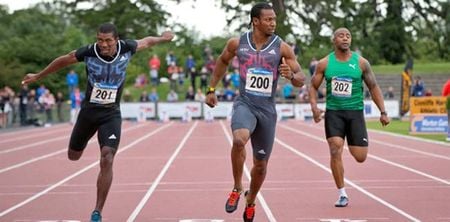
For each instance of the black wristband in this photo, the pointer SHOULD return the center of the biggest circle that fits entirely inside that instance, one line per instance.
(383, 113)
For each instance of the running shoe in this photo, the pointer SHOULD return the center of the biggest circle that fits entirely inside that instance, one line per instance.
(232, 201)
(249, 213)
(96, 216)
(342, 202)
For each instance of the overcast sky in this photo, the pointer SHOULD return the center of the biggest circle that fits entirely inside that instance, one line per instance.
(211, 21)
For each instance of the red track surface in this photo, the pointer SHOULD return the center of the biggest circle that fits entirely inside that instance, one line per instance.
(182, 172)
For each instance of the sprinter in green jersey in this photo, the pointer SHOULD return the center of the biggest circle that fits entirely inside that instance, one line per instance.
(344, 72)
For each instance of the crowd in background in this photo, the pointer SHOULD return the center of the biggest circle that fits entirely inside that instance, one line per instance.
(186, 82)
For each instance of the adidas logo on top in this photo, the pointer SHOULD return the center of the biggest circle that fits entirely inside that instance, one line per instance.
(112, 137)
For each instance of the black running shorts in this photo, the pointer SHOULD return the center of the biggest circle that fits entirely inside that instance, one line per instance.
(261, 126)
(347, 123)
(107, 122)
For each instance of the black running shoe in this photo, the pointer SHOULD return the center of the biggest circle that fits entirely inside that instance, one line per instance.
(232, 201)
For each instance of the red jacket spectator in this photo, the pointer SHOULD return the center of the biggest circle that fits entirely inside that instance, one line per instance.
(446, 88)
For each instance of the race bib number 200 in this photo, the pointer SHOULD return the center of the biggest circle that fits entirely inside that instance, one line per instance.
(259, 82)
(341, 87)
(103, 94)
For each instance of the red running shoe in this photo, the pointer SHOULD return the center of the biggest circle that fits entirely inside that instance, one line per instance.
(232, 201)
(249, 213)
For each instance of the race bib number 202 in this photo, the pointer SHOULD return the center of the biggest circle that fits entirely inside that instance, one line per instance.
(341, 87)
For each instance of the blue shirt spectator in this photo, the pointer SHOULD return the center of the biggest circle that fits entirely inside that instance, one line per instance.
(72, 80)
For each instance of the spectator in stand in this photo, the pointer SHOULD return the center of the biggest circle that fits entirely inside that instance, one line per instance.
(199, 96)
(154, 64)
(235, 78)
(172, 96)
(153, 96)
(193, 75)
(59, 100)
(389, 93)
(76, 97)
(47, 100)
(428, 92)
(144, 97)
(32, 106)
(190, 94)
(23, 104)
(72, 80)
(288, 91)
(228, 94)
(418, 87)
(446, 88)
(190, 67)
(204, 78)
(172, 72)
(170, 58)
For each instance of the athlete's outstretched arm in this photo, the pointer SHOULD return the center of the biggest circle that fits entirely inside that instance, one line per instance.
(289, 67)
(222, 63)
(374, 89)
(150, 41)
(55, 65)
(316, 81)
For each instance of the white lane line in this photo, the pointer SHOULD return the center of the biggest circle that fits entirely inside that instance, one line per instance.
(54, 153)
(20, 135)
(158, 179)
(33, 144)
(378, 158)
(260, 197)
(362, 190)
(57, 184)
(411, 150)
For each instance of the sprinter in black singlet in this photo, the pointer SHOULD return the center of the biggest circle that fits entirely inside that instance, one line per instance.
(106, 62)
(263, 58)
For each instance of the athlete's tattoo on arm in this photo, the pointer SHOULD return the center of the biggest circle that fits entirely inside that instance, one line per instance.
(369, 76)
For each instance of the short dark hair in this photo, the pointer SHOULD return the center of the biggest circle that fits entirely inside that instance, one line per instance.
(108, 28)
(256, 10)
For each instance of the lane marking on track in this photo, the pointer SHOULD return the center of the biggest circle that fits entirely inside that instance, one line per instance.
(59, 183)
(32, 160)
(158, 179)
(444, 181)
(362, 190)
(20, 135)
(33, 144)
(260, 197)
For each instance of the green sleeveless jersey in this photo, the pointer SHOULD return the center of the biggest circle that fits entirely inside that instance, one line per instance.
(344, 84)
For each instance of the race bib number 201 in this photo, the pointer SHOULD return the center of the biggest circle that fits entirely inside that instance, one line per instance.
(103, 94)
(341, 87)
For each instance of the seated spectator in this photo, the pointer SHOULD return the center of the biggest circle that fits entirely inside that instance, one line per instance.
(190, 94)
(288, 91)
(199, 96)
(172, 96)
(418, 89)
(143, 97)
(428, 92)
(153, 96)
(389, 93)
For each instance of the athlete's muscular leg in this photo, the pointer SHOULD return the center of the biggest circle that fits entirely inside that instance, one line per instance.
(336, 145)
(238, 154)
(74, 155)
(105, 176)
(359, 152)
(258, 174)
